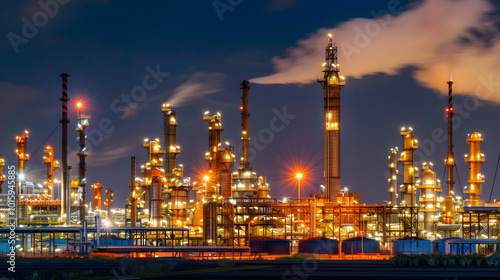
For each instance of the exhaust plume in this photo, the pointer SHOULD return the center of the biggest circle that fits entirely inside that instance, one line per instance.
(438, 37)
(200, 84)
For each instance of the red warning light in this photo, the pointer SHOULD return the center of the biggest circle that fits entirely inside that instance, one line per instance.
(241, 107)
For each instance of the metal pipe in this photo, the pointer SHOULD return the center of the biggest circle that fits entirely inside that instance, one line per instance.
(65, 178)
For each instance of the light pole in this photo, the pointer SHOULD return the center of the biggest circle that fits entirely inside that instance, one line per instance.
(299, 176)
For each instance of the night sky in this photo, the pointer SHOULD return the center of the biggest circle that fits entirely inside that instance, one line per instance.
(202, 50)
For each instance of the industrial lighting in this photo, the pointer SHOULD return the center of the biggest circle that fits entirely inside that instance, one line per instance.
(299, 176)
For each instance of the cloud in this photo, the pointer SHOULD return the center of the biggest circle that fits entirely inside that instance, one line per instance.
(277, 5)
(14, 95)
(109, 154)
(439, 37)
(200, 84)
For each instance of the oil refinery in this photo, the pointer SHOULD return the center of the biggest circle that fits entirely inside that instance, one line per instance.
(230, 209)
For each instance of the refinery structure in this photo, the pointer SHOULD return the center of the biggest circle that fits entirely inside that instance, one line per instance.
(231, 207)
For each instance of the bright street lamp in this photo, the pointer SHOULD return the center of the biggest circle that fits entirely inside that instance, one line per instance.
(299, 176)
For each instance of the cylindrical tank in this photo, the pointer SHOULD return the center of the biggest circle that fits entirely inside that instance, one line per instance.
(155, 201)
(225, 185)
(210, 223)
(270, 246)
(359, 245)
(411, 246)
(319, 246)
(439, 247)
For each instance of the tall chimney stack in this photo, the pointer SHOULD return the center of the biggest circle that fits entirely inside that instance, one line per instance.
(332, 83)
(65, 215)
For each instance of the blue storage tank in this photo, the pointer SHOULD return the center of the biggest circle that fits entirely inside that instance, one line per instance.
(411, 246)
(270, 246)
(439, 247)
(319, 246)
(359, 245)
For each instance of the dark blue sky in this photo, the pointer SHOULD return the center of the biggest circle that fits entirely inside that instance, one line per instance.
(106, 47)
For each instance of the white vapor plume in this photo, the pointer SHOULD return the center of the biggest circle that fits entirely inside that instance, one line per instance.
(200, 84)
(438, 37)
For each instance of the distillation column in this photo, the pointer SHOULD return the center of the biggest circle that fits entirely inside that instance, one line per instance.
(22, 157)
(176, 193)
(449, 200)
(83, 123)
(476, 179)
(244, 178)
(52, 165)
(109, 202)
(408, 189)
(152, 181)
(65, 203)
(428, 200)
(134, 193)
(214, 130)
(393, 180)
(97, 187)
(332, 83)
(171, 148)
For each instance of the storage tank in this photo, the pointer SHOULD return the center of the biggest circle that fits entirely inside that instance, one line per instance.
(411, 246)
(319, 246)
(270, 246)
(359, 245)
(439, 247)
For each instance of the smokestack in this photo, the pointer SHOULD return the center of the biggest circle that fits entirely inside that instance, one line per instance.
(171, 149)
(332, 83)
(133, 198)
(244, 163)
(82, 154)
(449, 202)
(65, 178)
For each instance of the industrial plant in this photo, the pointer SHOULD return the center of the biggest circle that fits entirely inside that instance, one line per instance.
(230, 210)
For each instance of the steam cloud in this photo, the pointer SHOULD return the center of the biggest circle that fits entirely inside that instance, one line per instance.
(439, 37)
(200, 84)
